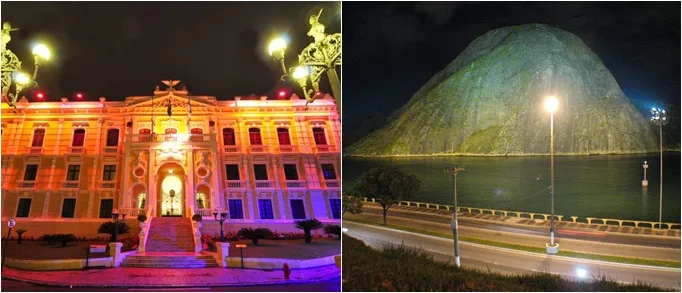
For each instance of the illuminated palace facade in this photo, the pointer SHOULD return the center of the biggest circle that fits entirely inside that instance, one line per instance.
(267, 162)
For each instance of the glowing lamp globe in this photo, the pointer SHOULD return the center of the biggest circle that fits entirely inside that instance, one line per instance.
(282, 94)
(277, 45)
(551, 104)
(300, 72)
(40, 95)
(21, 78)
(42, 51)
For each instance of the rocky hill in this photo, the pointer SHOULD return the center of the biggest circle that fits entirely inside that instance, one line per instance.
(489, 101)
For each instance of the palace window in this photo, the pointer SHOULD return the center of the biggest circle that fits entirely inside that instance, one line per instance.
(228, 136)
(265, 209)
(201, 201)
(254, 136)
(283, 136)
(260, 171)
(297, 209)
(69, 208)
(318, 135)
(235, 207)
(232, 171)
(73, 173)
(145, 134)
(38, 137)
(31, 172)
(24, 207)
(328, 171)
(105, 208)
(112, 137)
(290, 172)
(335, 205)
(78, 137)
(109, 173)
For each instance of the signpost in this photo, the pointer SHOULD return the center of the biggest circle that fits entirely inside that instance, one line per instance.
(241, 252)
(10, 223)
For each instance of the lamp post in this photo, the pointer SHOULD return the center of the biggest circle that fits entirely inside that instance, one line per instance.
(221, 220)
(453, 223)
(551, 103)
(114, 216)
(320, 56)
(13, 80)
(659, 117)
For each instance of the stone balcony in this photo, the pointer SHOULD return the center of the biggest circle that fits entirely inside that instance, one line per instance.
(235, 184)
(70, 184)
(333, 183)
(256, 149)
(25, 184)
(179, 138)
(107, 185)
(325, 149)
(76, 150)
(110, 150)
(288, 149)
(296, 184)
(37, 150)
(264, 184)
(232, 149)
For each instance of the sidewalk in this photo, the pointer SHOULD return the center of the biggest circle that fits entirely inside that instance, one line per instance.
(146, 277)
(441, 224)
(534, 223)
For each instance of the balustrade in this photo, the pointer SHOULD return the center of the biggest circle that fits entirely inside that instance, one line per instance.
(107, 185)
(258, 148)
(77, 150)
(232, 149)
(265, 183)
(26, 184)
(70, 184)
(110, 149)
(35, 150)
(325, 148)
(235, 184)
(204, 212)
(288, 149)
(332, 183)
(296, 183)
(182, 137)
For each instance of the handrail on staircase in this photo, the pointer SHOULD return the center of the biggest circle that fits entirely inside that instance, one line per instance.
(149, 214)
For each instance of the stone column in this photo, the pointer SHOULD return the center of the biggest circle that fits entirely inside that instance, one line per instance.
(18, 136)
(216, 189)
(50, 183)
(59, 135)
(46, 206)
(91, 201)
(125, 176)
(223, 253)
(152, 192)
(190, 194)
(115, 252)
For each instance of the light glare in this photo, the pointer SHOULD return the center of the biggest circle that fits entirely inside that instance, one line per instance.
(42, 51)
(21, 78)
(551, 103)
(300, 72)
(276, 45)
(582, 273)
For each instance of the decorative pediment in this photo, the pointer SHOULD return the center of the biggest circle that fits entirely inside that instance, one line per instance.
(177, 102)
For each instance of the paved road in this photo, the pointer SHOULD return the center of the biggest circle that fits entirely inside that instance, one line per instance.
(512, 261)
(333, 285)
(528, 237)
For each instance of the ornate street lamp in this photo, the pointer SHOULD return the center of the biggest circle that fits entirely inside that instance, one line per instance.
(13, 80)
(659, 117)
(320, 56)
(114, 216)
(551, 103)
(221, 220)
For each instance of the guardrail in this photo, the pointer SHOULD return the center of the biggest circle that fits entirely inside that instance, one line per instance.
(539, 216)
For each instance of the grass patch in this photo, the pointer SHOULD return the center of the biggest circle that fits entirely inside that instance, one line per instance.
(400, 268)
(567, 253)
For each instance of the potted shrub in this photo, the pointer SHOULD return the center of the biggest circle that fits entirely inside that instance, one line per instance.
(255, 234)
(307, 226)
(197, 218)
(142, 219)
(110, 228)
(19, 233)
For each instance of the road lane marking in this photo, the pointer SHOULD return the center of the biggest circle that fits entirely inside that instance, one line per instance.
(572, 259)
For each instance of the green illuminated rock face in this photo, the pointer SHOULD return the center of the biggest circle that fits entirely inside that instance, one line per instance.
(489, 101)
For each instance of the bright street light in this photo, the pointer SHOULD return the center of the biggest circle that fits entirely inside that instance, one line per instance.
(277, 44)
(21, 78)
(551, 104)
(658, 116)
(42, 51)
(300, 72)
(582, 273)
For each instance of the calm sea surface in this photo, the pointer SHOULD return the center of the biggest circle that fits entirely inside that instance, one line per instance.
(592, 186)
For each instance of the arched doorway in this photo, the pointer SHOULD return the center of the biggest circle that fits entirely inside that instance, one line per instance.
(171, 190)
(139, 195)
(203, 197)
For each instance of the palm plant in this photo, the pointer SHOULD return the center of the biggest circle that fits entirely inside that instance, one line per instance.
(255, 234)
(110, 228)
(19, 232)
(333, 230)
(307, 226)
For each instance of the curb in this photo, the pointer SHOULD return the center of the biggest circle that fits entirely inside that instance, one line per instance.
(277, 282)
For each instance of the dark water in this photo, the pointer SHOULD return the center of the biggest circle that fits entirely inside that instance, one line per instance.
(592, 186)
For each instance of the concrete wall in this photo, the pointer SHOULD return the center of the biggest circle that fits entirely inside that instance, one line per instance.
(80, 228)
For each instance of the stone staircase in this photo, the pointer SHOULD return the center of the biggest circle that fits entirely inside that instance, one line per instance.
(171, 234)
(170, 244)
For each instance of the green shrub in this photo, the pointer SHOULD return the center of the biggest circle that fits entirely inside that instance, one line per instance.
(197, 218)
(110, 228)
(19, 233)
(307, 226)
(142, 218)
(48, 239)
(333, 230)
(64, 239)
(255, 234)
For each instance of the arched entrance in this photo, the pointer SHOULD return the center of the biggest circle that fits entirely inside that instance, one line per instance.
(171, 190)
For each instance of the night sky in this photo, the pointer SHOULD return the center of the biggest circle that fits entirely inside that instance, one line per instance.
(392, 49)
(120, 49)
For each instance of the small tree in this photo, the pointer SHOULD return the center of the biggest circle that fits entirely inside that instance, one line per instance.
(64, 239)
(352, 203)
(110, 228)
(255, 234)
(333, 230)
(19, 233)
(307, 226)
(142, 218)
(389, 185)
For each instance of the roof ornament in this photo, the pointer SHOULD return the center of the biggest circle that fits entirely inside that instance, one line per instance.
(170, 84)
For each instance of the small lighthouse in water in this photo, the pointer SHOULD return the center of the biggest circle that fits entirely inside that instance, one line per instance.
(645, 182)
